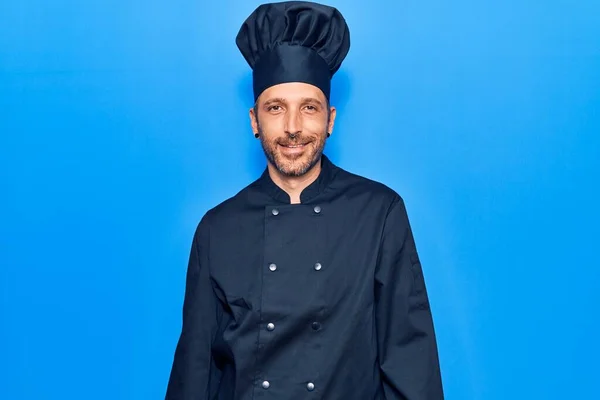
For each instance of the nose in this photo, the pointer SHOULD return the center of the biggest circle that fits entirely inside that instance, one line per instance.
(293, 123)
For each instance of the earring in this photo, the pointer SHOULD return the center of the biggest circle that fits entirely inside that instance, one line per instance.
(328, 134)
(256, 135)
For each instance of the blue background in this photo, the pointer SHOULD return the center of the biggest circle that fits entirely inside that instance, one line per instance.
(122, 122)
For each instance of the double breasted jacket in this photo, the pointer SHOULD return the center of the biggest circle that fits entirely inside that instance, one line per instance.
(324, 299)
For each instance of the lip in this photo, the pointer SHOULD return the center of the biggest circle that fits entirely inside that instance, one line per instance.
(293, 149)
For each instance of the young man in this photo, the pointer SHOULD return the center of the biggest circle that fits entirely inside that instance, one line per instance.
(307, 283)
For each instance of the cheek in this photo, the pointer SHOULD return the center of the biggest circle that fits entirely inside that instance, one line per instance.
(316, 121)
(316, 126)
(271, 127)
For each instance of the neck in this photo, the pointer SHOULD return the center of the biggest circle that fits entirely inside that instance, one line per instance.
(294, 185)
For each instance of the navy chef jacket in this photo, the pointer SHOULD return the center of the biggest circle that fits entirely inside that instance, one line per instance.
(320, 300)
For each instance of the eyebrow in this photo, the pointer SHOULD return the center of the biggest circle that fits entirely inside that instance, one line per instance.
(274, 100)
(302, 100)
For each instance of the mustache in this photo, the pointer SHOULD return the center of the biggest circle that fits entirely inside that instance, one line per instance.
(296, 140)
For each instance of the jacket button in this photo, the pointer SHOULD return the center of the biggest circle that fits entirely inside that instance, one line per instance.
(318, 266)
(316, 326)
(317, 209)
(310, 386)
(270, 326)
(275, 211)
(272, 267)
(266, 384)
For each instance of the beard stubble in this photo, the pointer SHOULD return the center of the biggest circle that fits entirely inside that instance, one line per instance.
(293, 166)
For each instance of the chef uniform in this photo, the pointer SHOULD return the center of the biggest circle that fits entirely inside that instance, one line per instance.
(324, 299)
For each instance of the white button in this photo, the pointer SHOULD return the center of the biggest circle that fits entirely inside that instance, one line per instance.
(270, 326)
(266, 384)
(318, 266)
(310, 386)
(317, 209)
(275, 211)
(272, 267)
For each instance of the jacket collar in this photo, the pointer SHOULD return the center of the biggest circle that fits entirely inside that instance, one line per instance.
(328, 170)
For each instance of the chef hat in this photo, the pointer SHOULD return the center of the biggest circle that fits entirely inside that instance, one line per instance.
(294, 41)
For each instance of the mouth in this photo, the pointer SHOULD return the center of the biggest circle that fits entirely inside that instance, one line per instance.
(293, 150)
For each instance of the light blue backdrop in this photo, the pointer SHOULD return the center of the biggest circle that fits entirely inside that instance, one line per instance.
(122, 122)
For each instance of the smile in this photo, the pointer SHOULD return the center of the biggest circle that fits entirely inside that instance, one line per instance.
(293, 149)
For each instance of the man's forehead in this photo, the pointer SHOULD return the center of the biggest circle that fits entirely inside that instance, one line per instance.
(292, 92)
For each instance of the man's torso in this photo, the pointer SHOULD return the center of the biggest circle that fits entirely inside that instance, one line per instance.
(297, 285)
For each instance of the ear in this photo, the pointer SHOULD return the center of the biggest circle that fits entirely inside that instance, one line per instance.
(253, 122)
(332, 113)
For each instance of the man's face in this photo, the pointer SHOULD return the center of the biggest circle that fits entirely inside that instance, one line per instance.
(293, 120)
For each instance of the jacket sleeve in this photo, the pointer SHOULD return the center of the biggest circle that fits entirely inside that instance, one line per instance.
(193, 373)
(408, 355)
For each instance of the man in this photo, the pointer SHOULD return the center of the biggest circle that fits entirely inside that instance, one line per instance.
(307, 283)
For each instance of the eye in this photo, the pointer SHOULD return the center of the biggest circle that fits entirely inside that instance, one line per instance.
(311, 108)
(274, 108)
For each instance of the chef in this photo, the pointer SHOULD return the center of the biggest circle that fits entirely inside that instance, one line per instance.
(307, 283)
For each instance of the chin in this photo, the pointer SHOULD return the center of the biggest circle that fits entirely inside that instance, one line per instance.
(293, 165)
(297, 166)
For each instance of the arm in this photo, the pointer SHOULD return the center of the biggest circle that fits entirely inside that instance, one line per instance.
(193, 374)
(407, 347)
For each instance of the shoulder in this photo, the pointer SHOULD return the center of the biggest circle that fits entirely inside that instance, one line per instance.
(355, 185)
(390, 203)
